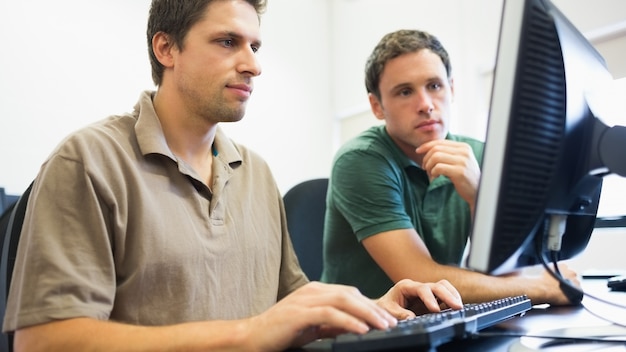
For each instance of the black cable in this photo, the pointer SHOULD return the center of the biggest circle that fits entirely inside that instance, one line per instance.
(556, 274)
(564, 282)
(574, 287)
(555, 260)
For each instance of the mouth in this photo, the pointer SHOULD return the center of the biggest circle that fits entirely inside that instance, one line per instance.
(427, 124)
(243, 90)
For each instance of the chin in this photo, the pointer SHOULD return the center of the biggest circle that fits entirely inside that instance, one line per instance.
(432, 137)
(440, 134)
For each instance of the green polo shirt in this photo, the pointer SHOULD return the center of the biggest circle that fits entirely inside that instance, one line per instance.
(374, 187)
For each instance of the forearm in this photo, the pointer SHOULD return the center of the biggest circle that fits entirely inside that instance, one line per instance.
(86, 334)
(478, 287)
(403, 255)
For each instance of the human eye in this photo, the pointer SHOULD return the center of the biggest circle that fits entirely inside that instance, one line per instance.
(435, 86)
(255, 45)
(405, 92)
(228, 43)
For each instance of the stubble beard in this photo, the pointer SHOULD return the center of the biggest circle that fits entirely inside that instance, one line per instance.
(216, 109)
(221, 112)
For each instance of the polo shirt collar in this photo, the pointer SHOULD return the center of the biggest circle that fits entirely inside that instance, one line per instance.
(151, 138)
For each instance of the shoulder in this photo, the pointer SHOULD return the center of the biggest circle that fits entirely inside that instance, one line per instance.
(373, 143)
(99, 139)
(368, 160)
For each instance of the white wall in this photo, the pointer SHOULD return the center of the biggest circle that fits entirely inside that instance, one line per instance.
(63, 65)
(67, 63)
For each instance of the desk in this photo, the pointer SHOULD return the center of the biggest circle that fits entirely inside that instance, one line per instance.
(538, 320)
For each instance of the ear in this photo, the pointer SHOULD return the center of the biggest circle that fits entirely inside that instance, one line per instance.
(163, 47)
(376, 106)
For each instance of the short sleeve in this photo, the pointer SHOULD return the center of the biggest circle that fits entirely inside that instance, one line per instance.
(363, 183)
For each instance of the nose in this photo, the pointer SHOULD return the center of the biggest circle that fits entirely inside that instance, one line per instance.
(425, 102)
(249, 63)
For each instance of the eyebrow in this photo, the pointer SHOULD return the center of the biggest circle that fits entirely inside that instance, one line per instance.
(402, 85)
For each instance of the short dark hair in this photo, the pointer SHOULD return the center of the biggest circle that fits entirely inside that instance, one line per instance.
(175, 18)
(398, 43)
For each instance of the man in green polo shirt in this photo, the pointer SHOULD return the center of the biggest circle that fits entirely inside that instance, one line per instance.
(401, 194)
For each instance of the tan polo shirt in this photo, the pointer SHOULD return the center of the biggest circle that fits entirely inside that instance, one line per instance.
(118, 228)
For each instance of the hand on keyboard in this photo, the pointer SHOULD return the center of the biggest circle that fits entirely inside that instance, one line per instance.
(408, 298)
(433, 329)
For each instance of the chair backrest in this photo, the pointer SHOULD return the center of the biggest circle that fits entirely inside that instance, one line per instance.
(10, 229)
(305, 205)
(3, 200)
(6, 200)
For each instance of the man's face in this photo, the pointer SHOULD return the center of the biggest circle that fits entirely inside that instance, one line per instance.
(213, 72)
(416, 99)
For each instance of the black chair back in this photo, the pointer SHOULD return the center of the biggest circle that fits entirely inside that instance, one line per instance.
(10, 229)
(305, 205)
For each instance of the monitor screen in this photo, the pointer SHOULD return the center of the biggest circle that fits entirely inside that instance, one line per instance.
(546, 151)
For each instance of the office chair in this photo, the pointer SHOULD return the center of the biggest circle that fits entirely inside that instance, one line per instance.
(305, 205)
(10, 230)
(3, 200)
(6, 200)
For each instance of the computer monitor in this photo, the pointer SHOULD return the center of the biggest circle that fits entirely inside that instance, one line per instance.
(546, 149)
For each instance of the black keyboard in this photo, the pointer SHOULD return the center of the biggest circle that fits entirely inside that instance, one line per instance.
(433, 329)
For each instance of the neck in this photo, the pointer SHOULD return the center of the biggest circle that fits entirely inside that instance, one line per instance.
(189, 136)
